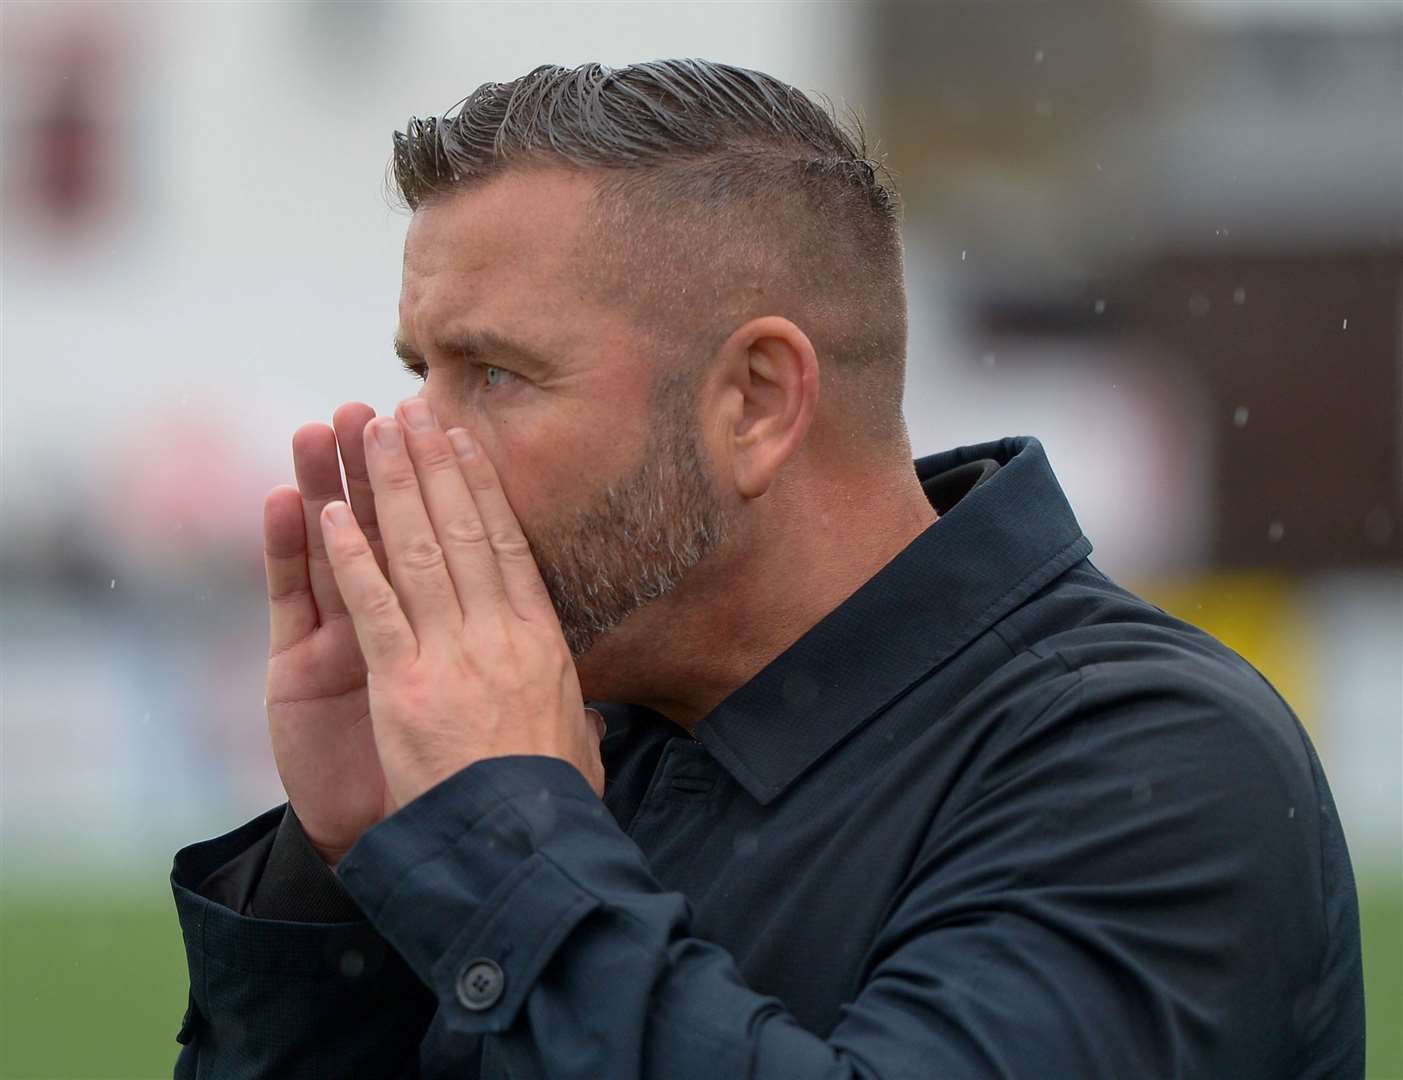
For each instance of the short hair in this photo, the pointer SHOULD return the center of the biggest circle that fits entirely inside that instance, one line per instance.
(722, 194)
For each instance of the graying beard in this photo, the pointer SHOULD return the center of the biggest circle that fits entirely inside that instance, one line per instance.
(632, 548)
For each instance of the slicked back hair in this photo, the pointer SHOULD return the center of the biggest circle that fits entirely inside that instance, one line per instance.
(721, 194)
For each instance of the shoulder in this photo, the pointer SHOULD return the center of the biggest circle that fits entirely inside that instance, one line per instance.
(1152, 736)
(1124, 663)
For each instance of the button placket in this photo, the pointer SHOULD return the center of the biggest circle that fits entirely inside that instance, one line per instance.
(685, 774)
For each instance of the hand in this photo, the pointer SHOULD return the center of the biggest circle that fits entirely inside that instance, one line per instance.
(466, 657)
(317, 698)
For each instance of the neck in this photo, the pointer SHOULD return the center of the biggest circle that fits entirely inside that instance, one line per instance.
(797, 559)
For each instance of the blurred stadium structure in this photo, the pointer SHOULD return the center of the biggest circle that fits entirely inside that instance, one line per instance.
(1165, 237)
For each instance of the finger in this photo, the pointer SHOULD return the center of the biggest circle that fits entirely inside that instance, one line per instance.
(292, 612)
(319, 480)
(521, 577)
(412, 548)
(386, 639)
(471, 562)
(349, 424)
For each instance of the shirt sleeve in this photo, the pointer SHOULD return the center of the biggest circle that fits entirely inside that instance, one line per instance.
(1103, 905)
(281, 996)
(281, 876)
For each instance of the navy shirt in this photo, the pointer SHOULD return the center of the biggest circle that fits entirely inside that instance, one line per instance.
(993, 816)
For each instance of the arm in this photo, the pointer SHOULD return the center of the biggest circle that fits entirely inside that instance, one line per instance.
(1107, 904)
(276, 997)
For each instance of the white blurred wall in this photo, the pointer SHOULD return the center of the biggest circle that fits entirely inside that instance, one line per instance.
(158, 361)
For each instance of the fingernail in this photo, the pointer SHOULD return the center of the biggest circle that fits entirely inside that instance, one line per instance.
(387, 434)
(462, 442)
(338, 514)
(419, 415)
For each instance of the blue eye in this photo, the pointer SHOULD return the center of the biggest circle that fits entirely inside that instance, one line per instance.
(492, 376)
(493, 368)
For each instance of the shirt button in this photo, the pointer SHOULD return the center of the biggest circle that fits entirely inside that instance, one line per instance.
(480, 985)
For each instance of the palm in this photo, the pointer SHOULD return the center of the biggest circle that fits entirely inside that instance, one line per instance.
(317, 699)
(319, 722)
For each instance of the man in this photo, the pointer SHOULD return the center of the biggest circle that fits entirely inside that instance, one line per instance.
(892, 781)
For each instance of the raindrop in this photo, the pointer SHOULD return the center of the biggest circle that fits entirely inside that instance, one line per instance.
(1291, 812)
(1100, 306)
(1239, 417)
(1239, 296)
(1038, 57)
(1098, 166)
(1275, 531)
(1346, 325)
(112, 584)
(962, 255)
(1199, 305)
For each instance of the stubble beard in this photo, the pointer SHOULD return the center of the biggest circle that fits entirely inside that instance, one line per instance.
(637, 539)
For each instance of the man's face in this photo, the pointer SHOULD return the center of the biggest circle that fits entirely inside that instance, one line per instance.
(602, 461)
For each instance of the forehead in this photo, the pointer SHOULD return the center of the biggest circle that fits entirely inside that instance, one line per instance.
(483, 247)
(511, 259)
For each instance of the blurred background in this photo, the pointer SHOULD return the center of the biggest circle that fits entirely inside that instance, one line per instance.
(1164, 237)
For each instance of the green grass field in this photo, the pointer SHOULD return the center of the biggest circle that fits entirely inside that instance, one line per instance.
(95, 988)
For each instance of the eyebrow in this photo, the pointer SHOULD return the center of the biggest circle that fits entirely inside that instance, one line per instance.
(479, 344)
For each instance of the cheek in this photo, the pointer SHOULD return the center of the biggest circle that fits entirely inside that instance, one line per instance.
(535, 473)
(546, 474)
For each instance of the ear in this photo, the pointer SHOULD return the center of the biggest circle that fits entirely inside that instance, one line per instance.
(768, 393)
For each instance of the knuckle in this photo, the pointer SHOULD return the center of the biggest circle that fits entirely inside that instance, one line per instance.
(290, 597)
(479, 479)
(381, 604)
(422, 554)
(464, 532)
(436, 457)
(400, 481)
(511, 544)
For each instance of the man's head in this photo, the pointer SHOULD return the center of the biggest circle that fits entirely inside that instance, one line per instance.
(677, 248)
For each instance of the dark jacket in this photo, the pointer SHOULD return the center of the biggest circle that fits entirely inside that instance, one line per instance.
(993, 816)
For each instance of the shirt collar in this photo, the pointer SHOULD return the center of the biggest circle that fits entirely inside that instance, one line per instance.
(997, 545)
